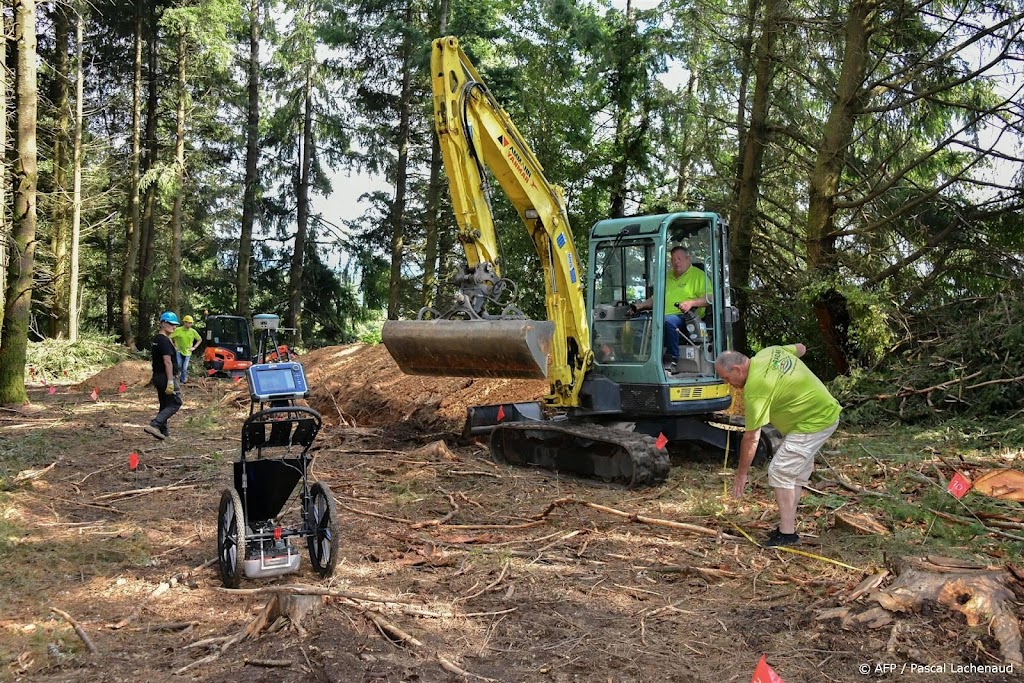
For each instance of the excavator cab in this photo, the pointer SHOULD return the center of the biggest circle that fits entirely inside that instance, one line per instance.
(228, 347)
(630, 258)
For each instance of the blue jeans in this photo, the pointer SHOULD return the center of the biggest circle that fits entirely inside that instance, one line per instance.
(183, 364)
(674, 323)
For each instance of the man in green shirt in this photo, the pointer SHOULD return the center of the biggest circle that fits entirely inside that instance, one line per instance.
(186, 340)
(779, 389)
(686, 295)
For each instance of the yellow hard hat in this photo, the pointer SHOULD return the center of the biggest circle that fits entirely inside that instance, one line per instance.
(187, 319)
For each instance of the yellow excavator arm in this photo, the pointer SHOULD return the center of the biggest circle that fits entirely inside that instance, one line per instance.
(476, 136)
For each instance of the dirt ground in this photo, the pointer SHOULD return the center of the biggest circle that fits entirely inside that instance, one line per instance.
(451, 567)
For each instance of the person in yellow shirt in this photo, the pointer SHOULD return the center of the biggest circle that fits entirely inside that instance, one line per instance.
(686, 296)
(779, 389)
(186, 340)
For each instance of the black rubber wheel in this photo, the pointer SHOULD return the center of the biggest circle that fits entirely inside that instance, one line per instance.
(230, 538)
(322, 525)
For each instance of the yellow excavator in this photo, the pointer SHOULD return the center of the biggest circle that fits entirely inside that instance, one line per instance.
(612, 404)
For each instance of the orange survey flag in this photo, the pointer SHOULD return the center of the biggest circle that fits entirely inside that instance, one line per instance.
(765, 674)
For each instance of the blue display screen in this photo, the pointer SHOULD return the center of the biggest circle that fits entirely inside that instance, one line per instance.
(276, 381)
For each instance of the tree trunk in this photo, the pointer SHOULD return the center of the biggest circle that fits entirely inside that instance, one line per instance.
(430, 266)
(684, 161)
(623, 111)
(5, 227)
(76, 204)
(744, 216)
(132, 227)
(179, 173)
(401, 174)
(746, 59)
(60, 235)
(147, 236)
(14, 343)
(830, 307)
(302, 227)
(252, 155)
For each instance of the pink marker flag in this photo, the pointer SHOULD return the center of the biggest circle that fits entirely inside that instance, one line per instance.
(959, 485)
(133, 461)
(122, 387)
(95, 394)
(661, 442)
(765, 674)
(52, 390)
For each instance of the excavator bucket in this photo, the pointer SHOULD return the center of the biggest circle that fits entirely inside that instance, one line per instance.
(470, 348)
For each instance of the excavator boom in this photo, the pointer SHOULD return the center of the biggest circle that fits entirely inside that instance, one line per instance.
(484, 334)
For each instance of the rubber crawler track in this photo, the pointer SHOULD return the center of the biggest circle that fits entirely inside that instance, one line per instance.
(585, 449)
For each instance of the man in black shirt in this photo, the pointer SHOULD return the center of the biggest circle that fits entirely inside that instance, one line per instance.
(165, 373)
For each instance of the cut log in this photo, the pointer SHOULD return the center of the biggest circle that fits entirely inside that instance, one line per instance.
(865, 525)
(1005, 484)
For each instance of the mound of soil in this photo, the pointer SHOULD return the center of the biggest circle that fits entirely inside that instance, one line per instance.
(134, 373)
(361, 386)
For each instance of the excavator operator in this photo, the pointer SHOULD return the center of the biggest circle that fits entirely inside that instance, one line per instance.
(686, 295)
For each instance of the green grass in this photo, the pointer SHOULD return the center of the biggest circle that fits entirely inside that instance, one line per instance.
(909, 467)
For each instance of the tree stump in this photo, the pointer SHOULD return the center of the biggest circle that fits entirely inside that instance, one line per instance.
(981, 594)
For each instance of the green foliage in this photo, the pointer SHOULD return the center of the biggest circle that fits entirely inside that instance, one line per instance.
(368, 331)
(59, 361)
(870, 328)
(962, 361)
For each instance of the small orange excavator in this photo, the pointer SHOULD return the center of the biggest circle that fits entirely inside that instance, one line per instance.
(228, 345)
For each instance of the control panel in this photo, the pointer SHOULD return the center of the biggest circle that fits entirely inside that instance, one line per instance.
(276, 381)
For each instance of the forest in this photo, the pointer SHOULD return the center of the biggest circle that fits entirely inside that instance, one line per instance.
(866, 154)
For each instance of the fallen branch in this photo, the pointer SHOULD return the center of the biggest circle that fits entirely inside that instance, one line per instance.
(705, 572)
(312, 590)
(28, 475)
(147, 490)
(975, 521)
(442, 520)
(373, 514)
(902, 393)
(452, 668)
(390, 631)
(633, 517)
(78, 629)
(269, 663)
(158, 591)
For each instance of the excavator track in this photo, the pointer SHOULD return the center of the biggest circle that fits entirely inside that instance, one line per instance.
(589, 450)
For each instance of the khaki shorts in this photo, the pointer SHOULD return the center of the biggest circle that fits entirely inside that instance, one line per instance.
(792, 464)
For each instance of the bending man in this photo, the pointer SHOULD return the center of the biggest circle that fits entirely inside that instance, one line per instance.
(779, 389)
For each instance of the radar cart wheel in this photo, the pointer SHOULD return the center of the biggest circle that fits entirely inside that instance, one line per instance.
(230, 538)
(321, 521)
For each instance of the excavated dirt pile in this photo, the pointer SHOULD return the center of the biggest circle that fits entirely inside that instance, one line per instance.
(134, 373)
(361, 386)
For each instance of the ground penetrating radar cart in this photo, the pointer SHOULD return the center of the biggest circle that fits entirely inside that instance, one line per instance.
(253, 539)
